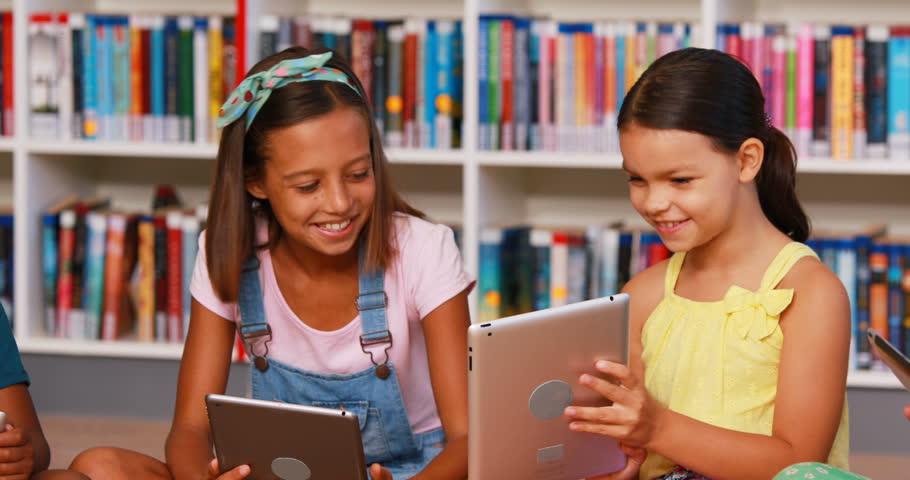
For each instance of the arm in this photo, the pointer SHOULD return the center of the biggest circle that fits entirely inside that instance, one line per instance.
(802, 430)
(203, 369)
(23, 448)
(446, 332)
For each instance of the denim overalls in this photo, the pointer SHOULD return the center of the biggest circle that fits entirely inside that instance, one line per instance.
(373, 395)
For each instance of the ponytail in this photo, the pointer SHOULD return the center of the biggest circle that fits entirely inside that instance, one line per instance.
(776, 184)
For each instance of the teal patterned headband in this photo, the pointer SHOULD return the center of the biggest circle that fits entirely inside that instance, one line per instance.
(254, 90)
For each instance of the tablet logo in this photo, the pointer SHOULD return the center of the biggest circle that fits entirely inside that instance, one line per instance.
(290, 469)
(550, 399)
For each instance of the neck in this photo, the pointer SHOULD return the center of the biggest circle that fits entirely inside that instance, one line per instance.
(314, 264)
(750, 231)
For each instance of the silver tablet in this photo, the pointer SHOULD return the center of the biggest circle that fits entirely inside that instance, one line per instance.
(285, 441)
(523, 372)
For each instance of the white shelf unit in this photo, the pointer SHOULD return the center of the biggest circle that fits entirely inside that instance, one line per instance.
(465, 187)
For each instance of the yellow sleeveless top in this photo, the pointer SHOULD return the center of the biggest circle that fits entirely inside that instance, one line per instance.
(718, 362)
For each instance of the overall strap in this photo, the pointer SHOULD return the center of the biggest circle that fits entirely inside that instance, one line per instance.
(253, 323)
(371, 302)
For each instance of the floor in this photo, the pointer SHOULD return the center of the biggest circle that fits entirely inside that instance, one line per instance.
(68, 435)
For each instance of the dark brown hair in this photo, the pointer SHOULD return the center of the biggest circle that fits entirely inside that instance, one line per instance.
(230, 237)
(711, 93)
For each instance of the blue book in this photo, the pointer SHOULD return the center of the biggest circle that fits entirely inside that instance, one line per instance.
(483, 61)
(445, 85)
(90, 78)
(171, 66)
(863, 280)
(620, 69)
(431, 73)
(490, 282)
(104, 50)
(95, 254)
(898, 97)
(157, 79)
(120, 47)
(541, 243)
(895, 295)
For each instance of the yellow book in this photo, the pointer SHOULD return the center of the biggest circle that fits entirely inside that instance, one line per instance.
(842, 53)
(216, 48)
(136, 71)
(632, 72)
(146, 290)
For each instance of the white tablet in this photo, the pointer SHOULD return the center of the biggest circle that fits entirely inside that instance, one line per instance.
(285, 441)
(523, 372)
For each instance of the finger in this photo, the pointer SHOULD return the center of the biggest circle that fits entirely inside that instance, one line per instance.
(13, 438)
(612, 431)
(12, 454)
(376, 472)
(213, 468)
(13, 469)
(608, 390)
(907, 412)
(236, 474)
(618, 371)
(635, 454)
(605, 415)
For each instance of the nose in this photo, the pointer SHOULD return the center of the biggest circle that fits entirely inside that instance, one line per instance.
(338, 199)
(657, 201)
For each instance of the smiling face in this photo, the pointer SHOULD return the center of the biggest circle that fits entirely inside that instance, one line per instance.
(318, 179)
(681, 184)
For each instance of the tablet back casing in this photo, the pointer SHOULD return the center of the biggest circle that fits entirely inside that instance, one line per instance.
(256, 433)
(520, 371)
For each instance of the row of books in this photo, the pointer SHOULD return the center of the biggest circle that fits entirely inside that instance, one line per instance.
(840, 91)
(411, 70)
(875, 271)
(524, 268)
(111, 275)
(6, 74)
(129, 78)
(547, 85)
(6, 261)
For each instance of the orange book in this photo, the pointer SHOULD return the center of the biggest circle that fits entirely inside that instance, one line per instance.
(136, 72)
(113, 276)
(878, 290)
(146, 291)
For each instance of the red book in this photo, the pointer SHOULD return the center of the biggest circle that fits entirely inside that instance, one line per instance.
(362, 39)
(174, 279)
(67, 245)
(161, 277)
(8, 97)
(409, 86)
(507, 74)
(113, 276)
(657, 252)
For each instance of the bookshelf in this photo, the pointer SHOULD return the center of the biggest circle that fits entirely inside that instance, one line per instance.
(466, 186)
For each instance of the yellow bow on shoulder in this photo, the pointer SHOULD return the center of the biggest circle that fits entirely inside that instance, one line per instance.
(758, 312)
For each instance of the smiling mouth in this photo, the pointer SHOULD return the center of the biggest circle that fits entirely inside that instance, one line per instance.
(334, 227)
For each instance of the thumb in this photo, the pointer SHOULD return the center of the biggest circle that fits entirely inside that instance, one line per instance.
(635, 454)
(377, 472)
(238, 473)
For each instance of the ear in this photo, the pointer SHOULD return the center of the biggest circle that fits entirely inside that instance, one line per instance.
(750, 156)
(256, 189)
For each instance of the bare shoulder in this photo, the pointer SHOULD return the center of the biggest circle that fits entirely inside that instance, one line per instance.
(646, 291)
(817, 291)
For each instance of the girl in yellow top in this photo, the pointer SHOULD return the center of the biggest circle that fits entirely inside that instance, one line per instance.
(739, 343)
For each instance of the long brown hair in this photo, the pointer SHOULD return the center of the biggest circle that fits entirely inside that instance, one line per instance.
(230, 237)
(711, 93)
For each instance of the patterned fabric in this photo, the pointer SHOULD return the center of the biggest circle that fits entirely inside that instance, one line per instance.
(717, 362)
(253, 92)
(815, 471)
(681, 473)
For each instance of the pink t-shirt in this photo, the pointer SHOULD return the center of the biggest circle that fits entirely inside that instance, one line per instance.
(427, 272)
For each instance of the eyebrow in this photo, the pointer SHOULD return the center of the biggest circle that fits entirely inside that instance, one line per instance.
(292, 175)
(665, 173)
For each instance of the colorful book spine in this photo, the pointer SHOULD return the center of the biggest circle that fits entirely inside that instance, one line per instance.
(113, 276)
(394, 124)
(483, 79)
(489, 285)
(859, 93)
(190, 247)
(876, 91)
(878, 289)
(120, 38)
(145, 301)
(898, 95)
(805, 83)
(842, 58)
(174, 277)
(821, 128)
(185, 72)
(93, 294)
(215, 66)
(895, 294)
(507, 74)
(559, 269)
(445, 86)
